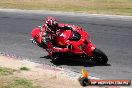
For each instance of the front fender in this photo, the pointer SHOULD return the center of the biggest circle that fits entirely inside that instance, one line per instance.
(89, 49)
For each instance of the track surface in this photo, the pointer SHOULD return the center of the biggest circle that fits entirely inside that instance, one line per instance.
(111, 35)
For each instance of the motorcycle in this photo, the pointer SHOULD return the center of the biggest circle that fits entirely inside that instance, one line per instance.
(75, 43)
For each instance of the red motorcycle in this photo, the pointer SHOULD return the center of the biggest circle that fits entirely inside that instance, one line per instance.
(75, 43)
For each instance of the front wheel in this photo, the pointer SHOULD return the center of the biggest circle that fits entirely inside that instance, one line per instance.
(99, 57)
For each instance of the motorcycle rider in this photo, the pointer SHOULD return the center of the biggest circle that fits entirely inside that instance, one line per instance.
(52, 27)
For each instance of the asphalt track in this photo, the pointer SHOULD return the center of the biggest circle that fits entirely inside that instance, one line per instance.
(113, 35)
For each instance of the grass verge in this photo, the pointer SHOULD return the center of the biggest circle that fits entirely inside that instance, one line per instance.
(8, 80)
(24, 69)
(118, 7)
(6, 71)
(20, 83)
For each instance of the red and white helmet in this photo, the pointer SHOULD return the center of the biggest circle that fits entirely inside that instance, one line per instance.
(51, 23)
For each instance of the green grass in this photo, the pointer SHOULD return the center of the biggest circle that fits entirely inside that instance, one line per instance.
(8, 80)
(6, 71)
(24, 69)
(19, 83)
(121, 7)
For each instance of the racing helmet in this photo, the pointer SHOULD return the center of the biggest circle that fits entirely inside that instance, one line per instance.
(51, 23)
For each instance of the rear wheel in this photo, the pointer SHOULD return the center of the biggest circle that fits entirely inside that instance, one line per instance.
(99, 57)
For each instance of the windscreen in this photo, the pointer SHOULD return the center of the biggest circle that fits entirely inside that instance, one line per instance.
(75, 36)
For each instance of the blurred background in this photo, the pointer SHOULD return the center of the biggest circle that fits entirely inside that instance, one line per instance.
(116, 7)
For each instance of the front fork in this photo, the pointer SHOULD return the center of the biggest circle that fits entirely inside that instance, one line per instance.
(89, 49)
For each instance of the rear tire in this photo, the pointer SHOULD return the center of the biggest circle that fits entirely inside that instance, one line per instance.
(99, 57)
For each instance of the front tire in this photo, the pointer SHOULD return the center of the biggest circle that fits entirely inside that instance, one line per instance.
(99, 57)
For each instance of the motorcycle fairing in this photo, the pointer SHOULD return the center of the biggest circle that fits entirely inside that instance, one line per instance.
(36, 34)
